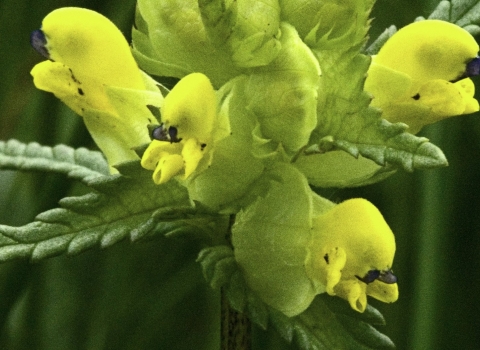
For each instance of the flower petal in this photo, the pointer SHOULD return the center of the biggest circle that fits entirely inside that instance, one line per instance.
(429, 49)
(354, 292)
(388, 293)
(191, 107)
(192, 153)
(168, 166)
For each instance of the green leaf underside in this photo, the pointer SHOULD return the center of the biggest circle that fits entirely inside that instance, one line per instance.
(80, 164)
(346, 121)
(124, 205)
(329, 322)
(465, 13)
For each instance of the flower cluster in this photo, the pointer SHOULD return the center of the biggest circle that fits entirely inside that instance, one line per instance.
(253, 93)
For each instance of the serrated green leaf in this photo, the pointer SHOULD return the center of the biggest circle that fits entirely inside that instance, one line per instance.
(113, 236)
(382, 39)
(121, 206)
(320, 328)
(329, 323)
(218, 265)
(461, 12)
(80, 164)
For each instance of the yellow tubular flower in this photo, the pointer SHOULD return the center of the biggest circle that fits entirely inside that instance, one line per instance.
(91, 50)
(92, 70)
(420, 75)
(352, 253)
(186, 136)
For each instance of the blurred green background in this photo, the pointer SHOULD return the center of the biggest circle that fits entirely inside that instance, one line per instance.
(96, 300)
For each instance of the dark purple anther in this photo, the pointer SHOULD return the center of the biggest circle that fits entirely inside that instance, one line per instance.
(159, 133)
(172, 132)
(387, 277)
(473, 67)
(38, 42)
(371, 276)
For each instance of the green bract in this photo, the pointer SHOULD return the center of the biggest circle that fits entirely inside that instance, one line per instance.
(271, 239)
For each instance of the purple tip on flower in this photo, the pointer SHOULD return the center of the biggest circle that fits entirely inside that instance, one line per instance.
(162, 134)
(473, 67)
(159, 133)
(387, 277)
(371, 276)
(172, 132)
(38, 42)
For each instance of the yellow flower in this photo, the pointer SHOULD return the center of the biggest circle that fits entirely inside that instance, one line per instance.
(92, 70)
(190, 127)
(91, 50)
(352, 253)
(420, 75)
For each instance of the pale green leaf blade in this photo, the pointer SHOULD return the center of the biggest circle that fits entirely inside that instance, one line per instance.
(80, 164)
